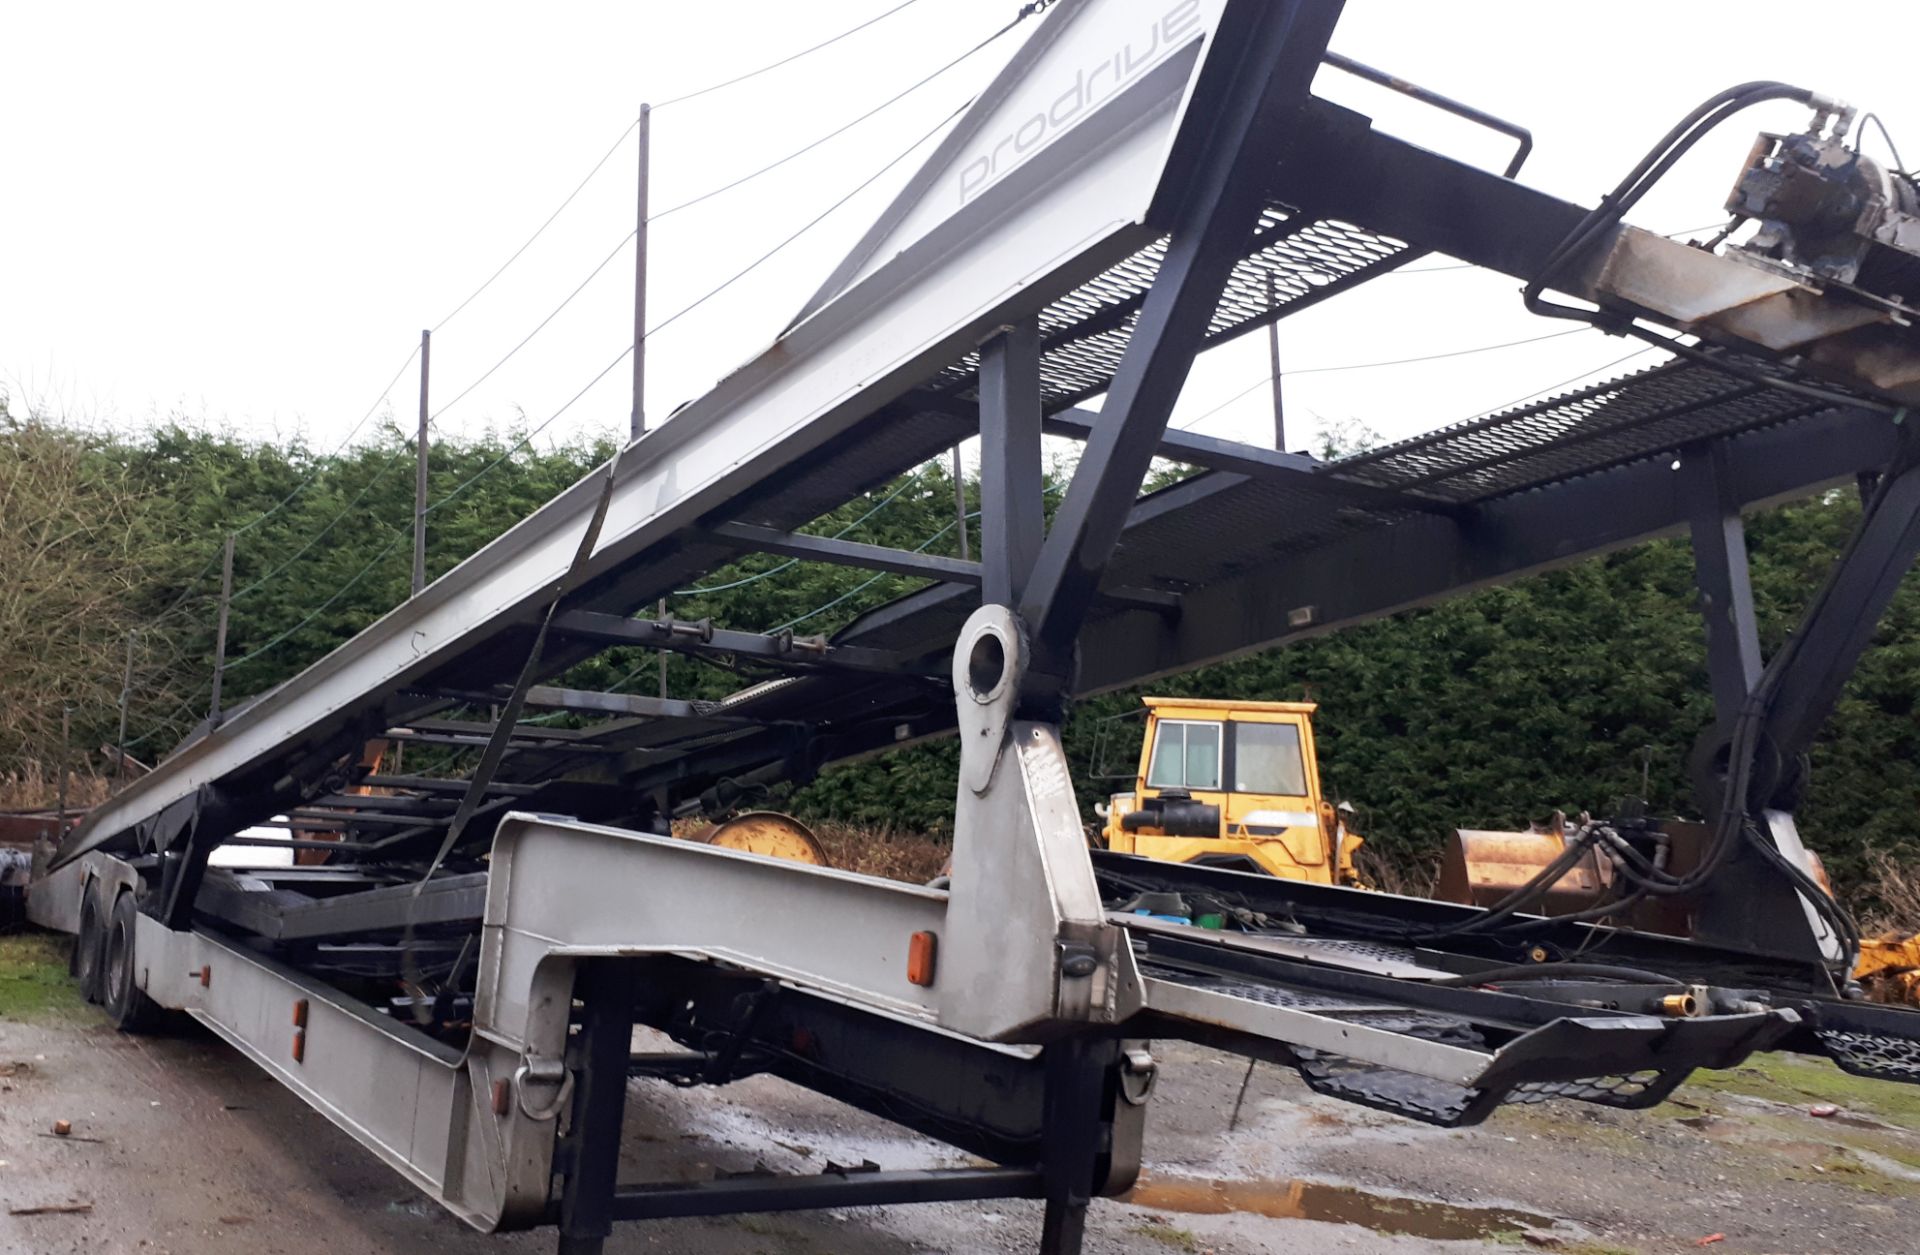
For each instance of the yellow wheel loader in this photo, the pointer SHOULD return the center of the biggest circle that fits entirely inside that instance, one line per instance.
(1233, 784)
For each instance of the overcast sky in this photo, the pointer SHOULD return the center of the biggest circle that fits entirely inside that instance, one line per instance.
(243, 214)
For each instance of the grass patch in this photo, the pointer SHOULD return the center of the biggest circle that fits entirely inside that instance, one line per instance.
(34, 984)
(1169, 1235)
(1801, 1080)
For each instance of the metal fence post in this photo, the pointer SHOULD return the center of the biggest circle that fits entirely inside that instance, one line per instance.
(420, 474)
(66, 754)
(126, 701)
(638, 424)
(220, 633)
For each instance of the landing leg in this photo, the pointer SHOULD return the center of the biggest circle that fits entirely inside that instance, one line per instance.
(591, 1150)
(1075, 1142)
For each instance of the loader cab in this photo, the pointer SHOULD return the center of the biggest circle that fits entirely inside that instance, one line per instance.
(1231, 784)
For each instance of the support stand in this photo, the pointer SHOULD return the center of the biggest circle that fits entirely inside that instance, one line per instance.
(590, 1151)
(1074, 1136)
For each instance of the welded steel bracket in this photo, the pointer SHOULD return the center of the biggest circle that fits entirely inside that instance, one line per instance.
(1026, 953)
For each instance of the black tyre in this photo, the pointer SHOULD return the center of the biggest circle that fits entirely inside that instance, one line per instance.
(89, 945)
(130, 1010)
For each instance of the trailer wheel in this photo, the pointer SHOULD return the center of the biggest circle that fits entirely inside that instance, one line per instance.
(130, 1010)
(89, 946)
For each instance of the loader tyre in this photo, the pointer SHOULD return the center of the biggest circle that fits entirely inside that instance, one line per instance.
(130, 1010)
(89, 946)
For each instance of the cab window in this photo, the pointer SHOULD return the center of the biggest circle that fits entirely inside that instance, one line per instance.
(1186, 755)
(1266, 759)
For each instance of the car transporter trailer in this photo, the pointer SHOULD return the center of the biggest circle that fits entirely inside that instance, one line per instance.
(1145, 179)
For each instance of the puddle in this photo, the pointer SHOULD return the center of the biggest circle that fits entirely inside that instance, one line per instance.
(1336, 1204)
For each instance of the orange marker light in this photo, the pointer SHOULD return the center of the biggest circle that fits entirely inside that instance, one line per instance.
(300, 1045)
(300, 1013)
(920, 950)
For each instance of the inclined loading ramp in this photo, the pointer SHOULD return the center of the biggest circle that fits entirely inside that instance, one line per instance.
(1207, 196)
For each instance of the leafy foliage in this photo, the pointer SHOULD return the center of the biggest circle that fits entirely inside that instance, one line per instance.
(1568, 690)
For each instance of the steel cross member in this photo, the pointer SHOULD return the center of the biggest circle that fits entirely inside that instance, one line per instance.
(1213, 194)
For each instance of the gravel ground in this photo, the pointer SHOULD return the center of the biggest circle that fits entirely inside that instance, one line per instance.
(1739, 1156)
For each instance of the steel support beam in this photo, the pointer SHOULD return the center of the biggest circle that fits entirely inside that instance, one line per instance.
(1221, 185)
(282, 917)
(1012, 508)
(760, 1193)
(1287, 470)
(1720, 572)
(1418, 561)
(700, 638)
(1841, 622)
(431, 784)
(1342, 168)
(586, 702)
(849, 552)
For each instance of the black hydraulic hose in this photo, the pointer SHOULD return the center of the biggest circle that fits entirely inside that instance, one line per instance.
(1638, 181)
(1542, 880)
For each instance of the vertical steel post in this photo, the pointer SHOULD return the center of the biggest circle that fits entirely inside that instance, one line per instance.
(66, 753)
(1012, 511)
(960, 505)
(220, 633)
(638, 426)
(639, 419)
(1273, 356)
(420, 474)
(126, 700)
(1720, 573)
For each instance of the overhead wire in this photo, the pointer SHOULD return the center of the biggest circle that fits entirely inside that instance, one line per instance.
(213, 560)
(542, 326)
(522, 443)
(312, 473)
(543, 226)
(786, 60)
(1267, 380)
(809, 225)
(352, 582)
(868, 583)
(843, 128)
